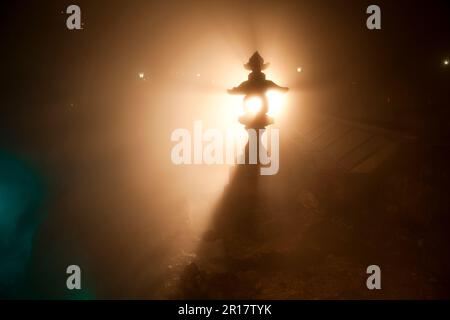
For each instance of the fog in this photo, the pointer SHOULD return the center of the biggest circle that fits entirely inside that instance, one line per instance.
(75, 107)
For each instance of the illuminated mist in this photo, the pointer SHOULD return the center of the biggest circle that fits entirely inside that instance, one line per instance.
(94, 111)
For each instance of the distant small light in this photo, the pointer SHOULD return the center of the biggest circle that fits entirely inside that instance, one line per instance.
(446, 62)
(198, 75)
(141, 75)
(299, 69)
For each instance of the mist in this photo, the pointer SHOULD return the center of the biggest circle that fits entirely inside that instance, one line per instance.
(75, 107)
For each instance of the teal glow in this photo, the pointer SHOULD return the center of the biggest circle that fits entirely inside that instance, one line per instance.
(21, 200)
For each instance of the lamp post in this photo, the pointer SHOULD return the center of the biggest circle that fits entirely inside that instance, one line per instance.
(256, 87)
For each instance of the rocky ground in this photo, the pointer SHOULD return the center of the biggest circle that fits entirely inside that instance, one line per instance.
(311, 232)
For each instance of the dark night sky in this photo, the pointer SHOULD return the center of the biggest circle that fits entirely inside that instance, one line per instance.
(43, 63)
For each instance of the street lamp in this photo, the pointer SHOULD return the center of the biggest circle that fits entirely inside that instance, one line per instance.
(256, 104)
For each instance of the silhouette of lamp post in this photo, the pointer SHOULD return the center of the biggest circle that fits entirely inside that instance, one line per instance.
(256, 104)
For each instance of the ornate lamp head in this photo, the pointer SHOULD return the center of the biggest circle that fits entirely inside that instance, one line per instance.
(256, 63)
(256, 87)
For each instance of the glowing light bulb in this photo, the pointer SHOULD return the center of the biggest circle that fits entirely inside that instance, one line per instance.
(141, 75)
(299, 69)
(253, 105)
(275, 100)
